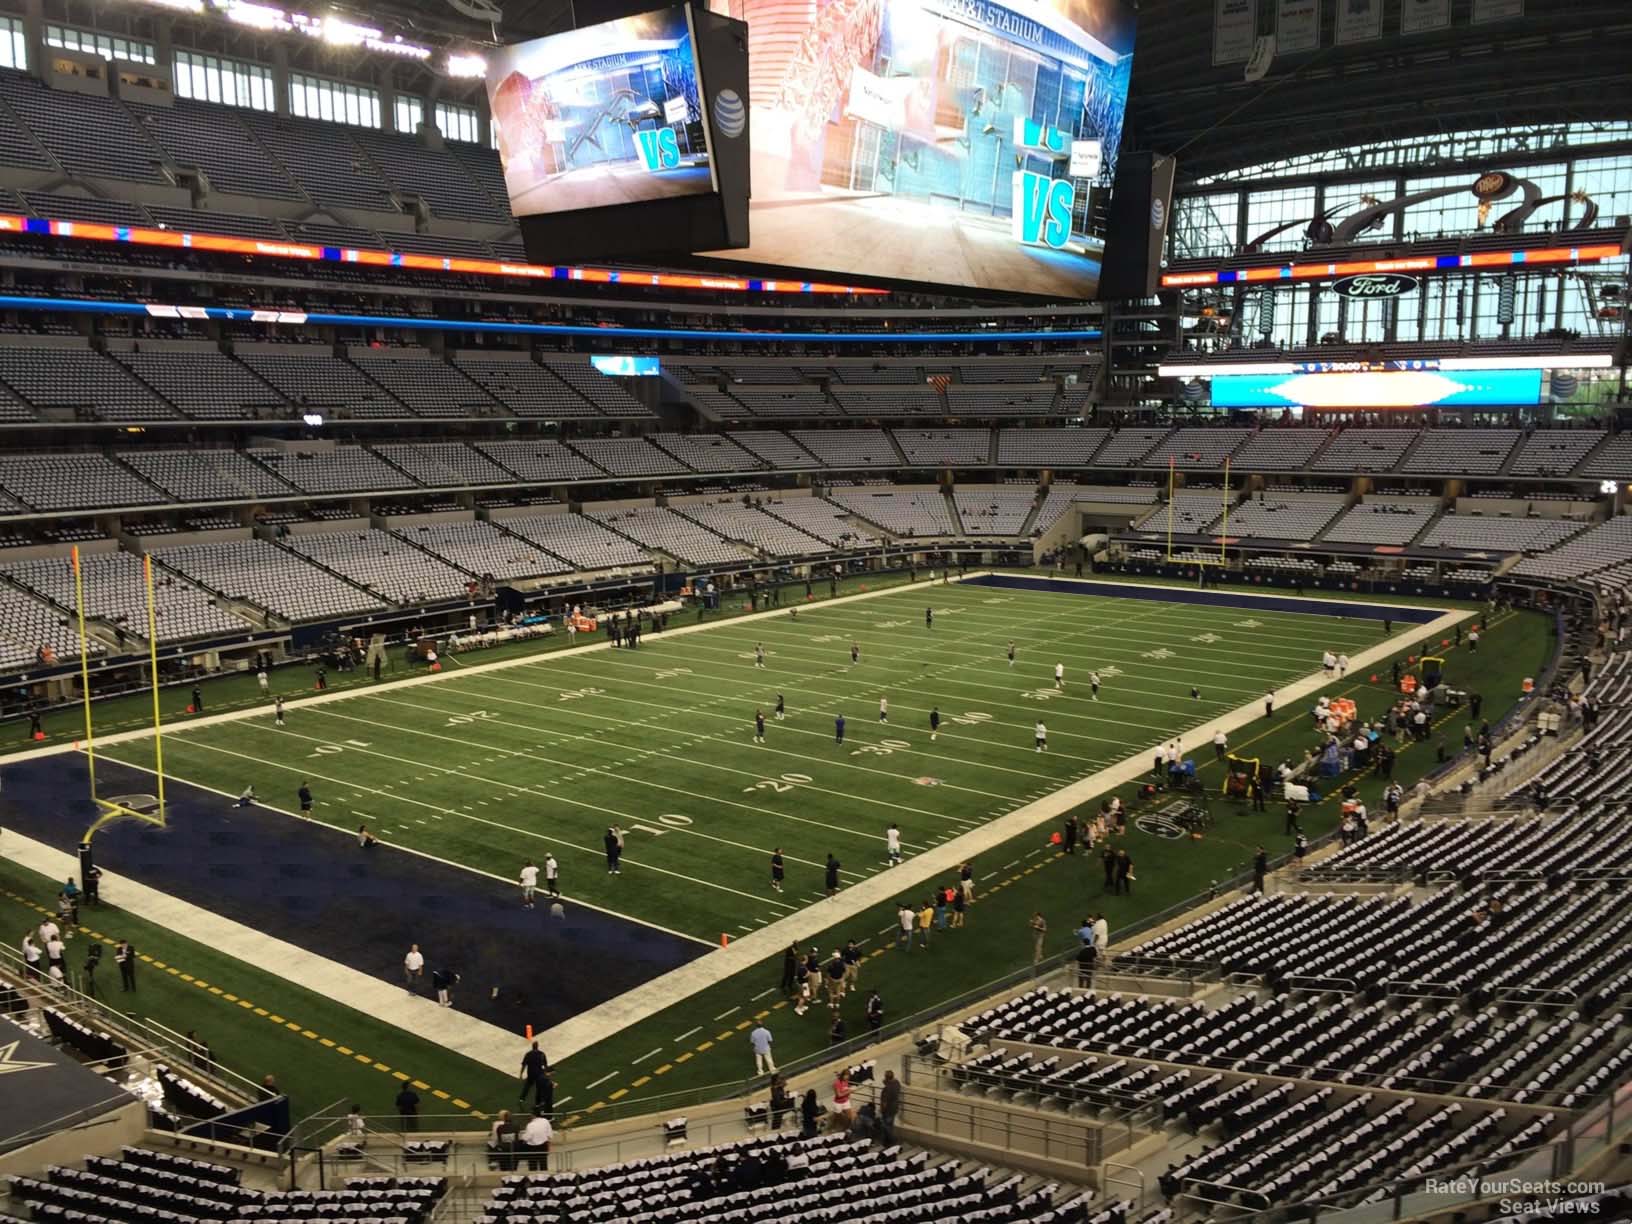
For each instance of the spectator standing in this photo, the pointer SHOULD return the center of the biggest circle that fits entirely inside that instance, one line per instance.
(535, 1137)
(1260, 868)
(413, 968)
(408, 1108)
(875, 1013)
(759, 1041)
(1039, 932)
(889, 1105)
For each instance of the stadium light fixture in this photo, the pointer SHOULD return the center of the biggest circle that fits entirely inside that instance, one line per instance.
(180, 6)
(467, 66)
(255, 16)
(397, 45)
(342, 33)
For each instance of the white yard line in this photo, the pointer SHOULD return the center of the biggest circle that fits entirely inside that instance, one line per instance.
(495, 1047)
(646, 1000)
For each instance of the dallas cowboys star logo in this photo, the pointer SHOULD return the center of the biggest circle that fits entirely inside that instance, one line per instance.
(9, 1061)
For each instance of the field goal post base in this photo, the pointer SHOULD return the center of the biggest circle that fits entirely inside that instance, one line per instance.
(144, 808)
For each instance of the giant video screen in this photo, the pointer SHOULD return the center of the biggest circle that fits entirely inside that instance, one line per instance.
(1379, 389)
(600, 116)
(944, 141)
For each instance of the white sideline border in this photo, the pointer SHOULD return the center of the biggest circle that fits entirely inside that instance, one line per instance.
(497, 1048)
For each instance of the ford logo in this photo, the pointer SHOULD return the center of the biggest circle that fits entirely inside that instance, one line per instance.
(1374, 285)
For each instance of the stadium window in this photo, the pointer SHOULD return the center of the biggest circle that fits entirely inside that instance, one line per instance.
(13, 43)
(108, 46)
(209, 78)
(410, 114)
(333, 101)
(457, 122)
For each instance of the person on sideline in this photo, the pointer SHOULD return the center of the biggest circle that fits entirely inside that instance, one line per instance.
(759, 1041)
(413, 968)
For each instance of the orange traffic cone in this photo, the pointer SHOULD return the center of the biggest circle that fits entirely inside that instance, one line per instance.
(724, 939)
(436, 667)
(39, 735)
(190, 709)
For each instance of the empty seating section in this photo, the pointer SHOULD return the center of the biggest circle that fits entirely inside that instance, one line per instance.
(1554, 452)
(1368, 943)
(901, 512)
(994, 510)
(1563, 846)
(1062, 495)
(322, 159)
(887, 401)
(90, 137)
(158, 1187)
(342, 469)
(1002, 370)
(1126, 447)
(116, 592)
(659, 528)
(78, 380)
(776, 448)
(483, 550)
(81, 481)
(1279, 450)
(849, 448)
(718, 405)
(383, 563)
(945, 447)
(1474, 451)
(606, 394)
(1497, 534)
(434, 175)
(316, 378)
(205, 475)
(28, 624)
(541, 461)
(269, 577)
(1051, 448)
(12, 408)
(237, 225)
(204, 385)
(1282, 516)
(427, 384)
(816, 516)
(628, 457)
(84, 208)
(581, 542)
(523, 386)
(1611, 461)
(1199, 449)
(752, 526)
(708, 452)
(211, 139)
(1393, 521)
(782, 1177)
(443, 464)
(789, 402)
(995, 401)
(1364, 450)
(1185, 514)
(1609, 543)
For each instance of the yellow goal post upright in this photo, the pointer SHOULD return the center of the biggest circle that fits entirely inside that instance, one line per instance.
(150, 809)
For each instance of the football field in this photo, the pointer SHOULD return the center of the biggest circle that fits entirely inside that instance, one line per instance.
(491, 766)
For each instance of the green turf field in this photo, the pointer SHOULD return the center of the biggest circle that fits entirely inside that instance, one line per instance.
(697, 1042)
(488, 769)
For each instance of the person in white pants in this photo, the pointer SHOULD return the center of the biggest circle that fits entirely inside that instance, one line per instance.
(759, 1040)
